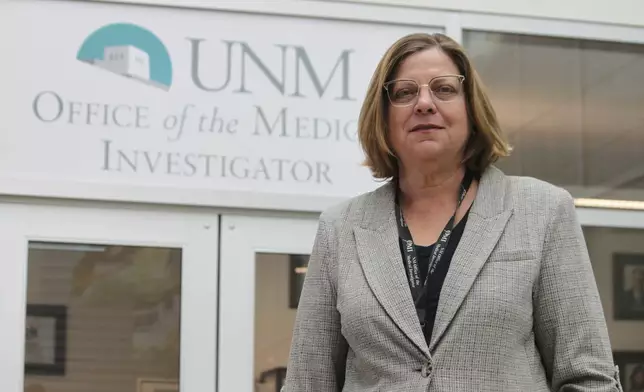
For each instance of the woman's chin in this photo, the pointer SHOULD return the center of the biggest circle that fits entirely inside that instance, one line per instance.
(428, 149)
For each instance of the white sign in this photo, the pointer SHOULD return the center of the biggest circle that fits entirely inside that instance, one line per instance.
(188, 101)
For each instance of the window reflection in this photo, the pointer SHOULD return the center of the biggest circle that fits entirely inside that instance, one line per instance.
(571, 109)
(277, 291)
(102, 318)
(297, 273)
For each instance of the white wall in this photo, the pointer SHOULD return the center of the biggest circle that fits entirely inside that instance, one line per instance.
(620, 12)
(626, 12)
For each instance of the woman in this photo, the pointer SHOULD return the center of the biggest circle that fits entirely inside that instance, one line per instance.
(451, 276)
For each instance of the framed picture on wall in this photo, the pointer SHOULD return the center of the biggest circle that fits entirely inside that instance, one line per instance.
(628, 286)
(297, 271)
(631, 370)
(157, 385)
(45, 340)
(277, 375)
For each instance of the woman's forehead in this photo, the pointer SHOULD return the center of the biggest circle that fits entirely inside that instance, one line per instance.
(426, 64)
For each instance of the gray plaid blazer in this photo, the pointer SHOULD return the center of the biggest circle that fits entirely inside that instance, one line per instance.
(519, 309)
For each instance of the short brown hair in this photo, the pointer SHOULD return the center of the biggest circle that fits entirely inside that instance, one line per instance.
(486, 143)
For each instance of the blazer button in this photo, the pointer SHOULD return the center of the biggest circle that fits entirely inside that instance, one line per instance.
(426, 371)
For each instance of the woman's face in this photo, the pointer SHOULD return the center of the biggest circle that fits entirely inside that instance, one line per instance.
(432, 125)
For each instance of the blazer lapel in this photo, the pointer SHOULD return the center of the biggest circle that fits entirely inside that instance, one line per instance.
(486, 222)
(381, 260)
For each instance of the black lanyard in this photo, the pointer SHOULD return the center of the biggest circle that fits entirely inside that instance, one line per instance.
(411, 258)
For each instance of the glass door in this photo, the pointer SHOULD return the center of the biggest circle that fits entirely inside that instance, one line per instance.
(103, 300)
(263, 263)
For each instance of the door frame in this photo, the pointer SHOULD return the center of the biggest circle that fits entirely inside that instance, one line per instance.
(196, 233)
(242, 238)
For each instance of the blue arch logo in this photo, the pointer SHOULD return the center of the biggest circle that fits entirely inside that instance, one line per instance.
(129, 51)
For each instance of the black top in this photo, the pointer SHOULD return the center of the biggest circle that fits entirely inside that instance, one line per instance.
(435, 282)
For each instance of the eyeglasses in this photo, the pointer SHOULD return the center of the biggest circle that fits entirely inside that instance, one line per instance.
(404, 92)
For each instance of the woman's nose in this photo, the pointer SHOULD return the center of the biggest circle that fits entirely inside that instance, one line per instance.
(425, 103)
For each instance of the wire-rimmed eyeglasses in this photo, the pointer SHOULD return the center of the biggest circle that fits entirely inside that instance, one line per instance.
(404, 92)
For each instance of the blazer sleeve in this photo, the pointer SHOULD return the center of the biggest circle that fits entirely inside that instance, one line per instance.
(318, 350)
(569, 324)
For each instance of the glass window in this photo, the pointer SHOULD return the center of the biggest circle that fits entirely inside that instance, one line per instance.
(277, 291)
(571, 109)
(617, 256)
(102, 318)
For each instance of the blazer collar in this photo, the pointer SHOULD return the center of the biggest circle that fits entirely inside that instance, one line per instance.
(381, 259)
(489, 200)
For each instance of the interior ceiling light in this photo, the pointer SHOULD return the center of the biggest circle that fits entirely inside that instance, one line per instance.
(614, 204)
(301, 270)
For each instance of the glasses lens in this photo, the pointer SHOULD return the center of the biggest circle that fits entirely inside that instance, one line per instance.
(446, 88)
(402, 91)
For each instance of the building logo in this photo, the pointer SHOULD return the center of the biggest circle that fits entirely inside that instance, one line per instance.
(130, 51)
